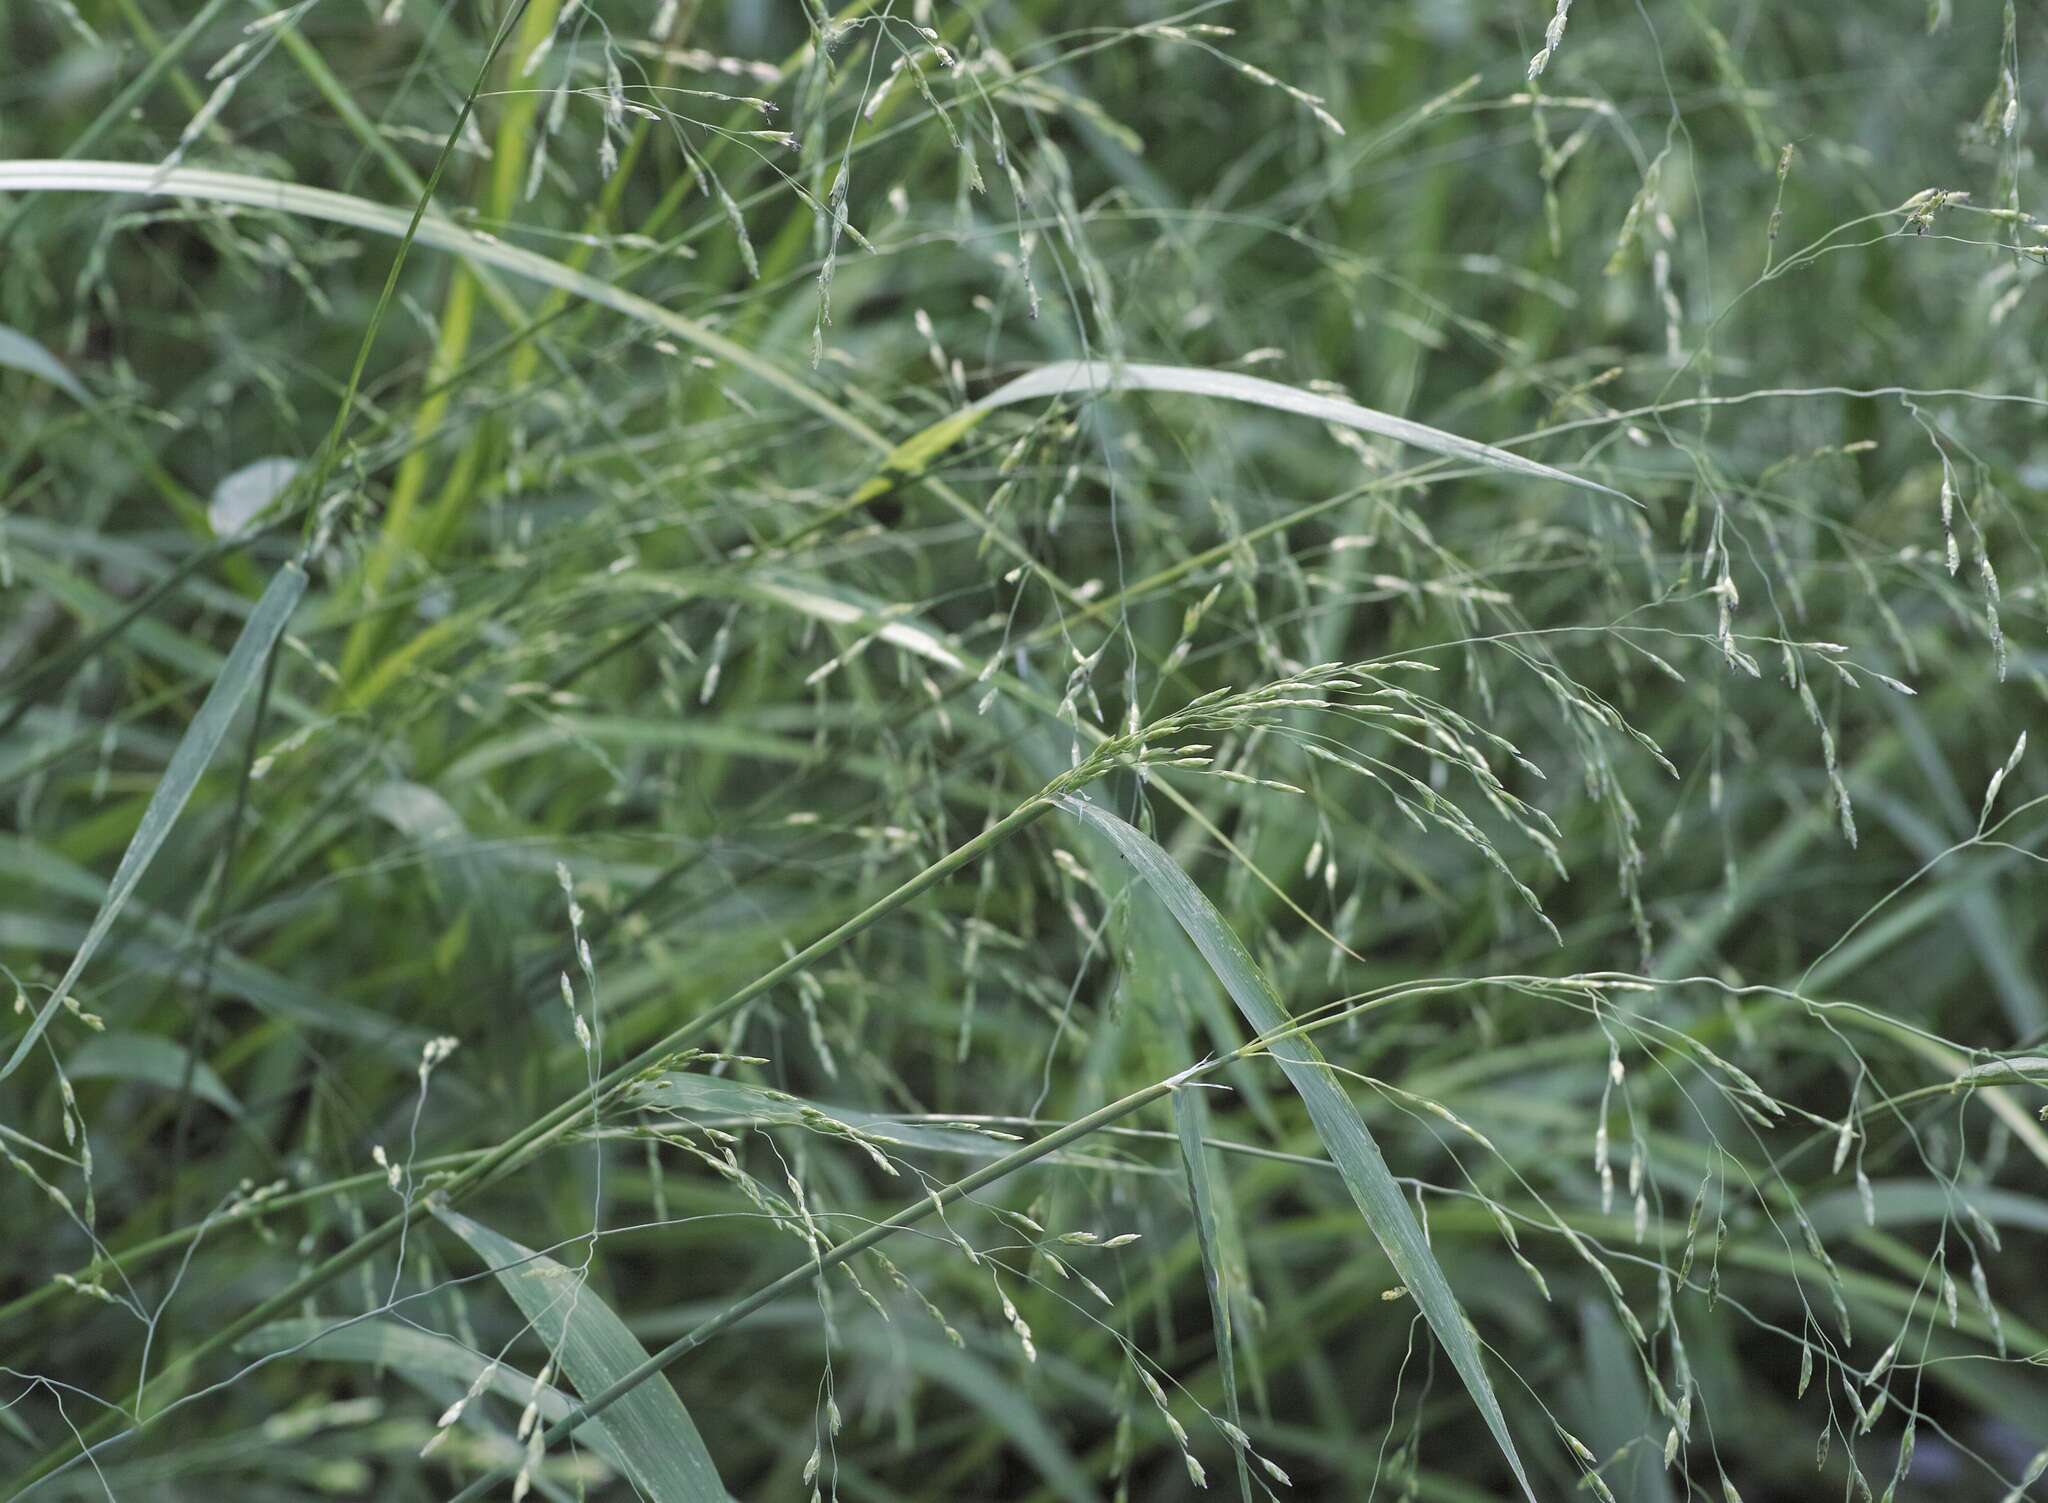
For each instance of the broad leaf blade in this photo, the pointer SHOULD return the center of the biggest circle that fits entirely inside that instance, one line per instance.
(660, 1445)
(1336, 1120)
(238, 675)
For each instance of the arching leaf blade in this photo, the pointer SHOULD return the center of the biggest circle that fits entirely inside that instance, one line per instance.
(1336, 1120)
(1070, 377)
(653, 1431)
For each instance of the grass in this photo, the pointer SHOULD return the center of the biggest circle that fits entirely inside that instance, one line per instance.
(983, 751)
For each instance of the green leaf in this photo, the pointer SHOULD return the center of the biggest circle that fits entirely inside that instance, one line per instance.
(915, 454)
(16, 1426)
(1336, 1120)
(238, 675)
(435, 229)
(154, 946)
(908, 458)
(245, 495)
(19, 352)
(2029, 1069)
(1613, 1413)
(419, 1355)
(1190, 1123)
(843, 607)
(1068, 377)
(915, 1350)
(662, 1451)
(154, 1061)
(725, 1102)
(1898, 1203)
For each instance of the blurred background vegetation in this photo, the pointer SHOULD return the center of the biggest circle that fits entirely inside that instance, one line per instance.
(654, 602)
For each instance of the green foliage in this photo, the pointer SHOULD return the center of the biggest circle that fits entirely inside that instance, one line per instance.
(655, 1439)
(1099, 751)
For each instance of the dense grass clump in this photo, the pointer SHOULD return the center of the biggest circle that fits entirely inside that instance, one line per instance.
(997, 750)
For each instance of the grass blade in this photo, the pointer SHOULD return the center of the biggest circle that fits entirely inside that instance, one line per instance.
(1616, 1417)
(1190, 1118)
(663, 1453)
(434, 229)
(238, 675)
(163, 1063)
(914, 455)
(1336, 1120)
(423, 1357)
(1069, 377)
(19, 352)
(245, 495)
(725, 1102)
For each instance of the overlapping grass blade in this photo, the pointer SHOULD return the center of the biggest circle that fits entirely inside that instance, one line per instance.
(1337, 1123)
(662, 1451)
(435, 229)
(421, 1356)
(1060, 378)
